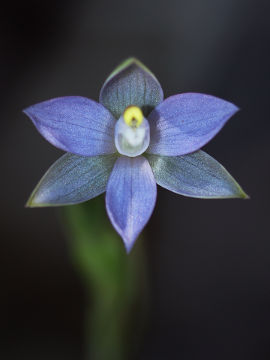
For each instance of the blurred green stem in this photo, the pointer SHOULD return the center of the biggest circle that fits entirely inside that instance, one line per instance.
(115, 283)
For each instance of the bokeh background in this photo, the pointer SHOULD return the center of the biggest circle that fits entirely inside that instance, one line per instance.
(208, 261)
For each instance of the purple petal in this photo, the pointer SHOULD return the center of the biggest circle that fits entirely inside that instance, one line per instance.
(130, 197)
(131, 83)
(75, 124)
(184, 123)
(73, 179)
(196, 175)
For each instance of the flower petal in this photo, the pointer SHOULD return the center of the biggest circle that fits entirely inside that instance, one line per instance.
(184, 123)
(130, 197)
(75, 124)
(131, 83)
(195, 175)
(73, 179)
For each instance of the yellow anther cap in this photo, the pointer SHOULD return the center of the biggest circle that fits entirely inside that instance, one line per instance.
(133, 116)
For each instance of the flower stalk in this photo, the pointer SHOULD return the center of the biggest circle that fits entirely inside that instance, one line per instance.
(115, 285)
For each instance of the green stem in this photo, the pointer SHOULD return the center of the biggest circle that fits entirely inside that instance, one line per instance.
(115, 283)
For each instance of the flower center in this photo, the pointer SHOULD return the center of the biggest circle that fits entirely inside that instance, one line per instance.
(132, 133)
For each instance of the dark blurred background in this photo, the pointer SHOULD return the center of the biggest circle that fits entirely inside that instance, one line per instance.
(209, 261)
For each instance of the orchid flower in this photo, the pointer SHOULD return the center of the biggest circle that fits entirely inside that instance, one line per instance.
(127, 143)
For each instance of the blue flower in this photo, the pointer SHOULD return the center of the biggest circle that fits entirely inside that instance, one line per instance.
(127, 143)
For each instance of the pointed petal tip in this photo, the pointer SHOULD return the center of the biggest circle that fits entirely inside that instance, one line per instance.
(243, 195)
(124, 65)
(128, 243)
(26, 111)
(239, 193)
(133, 60)
(27, 205)
(128, 248)
(235, 108)
(34, 201)
(130, 61)
(31, 203)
